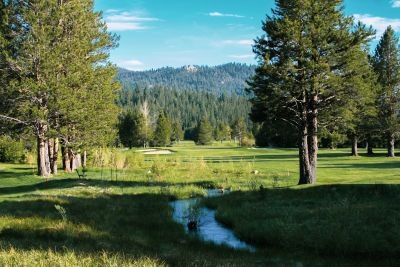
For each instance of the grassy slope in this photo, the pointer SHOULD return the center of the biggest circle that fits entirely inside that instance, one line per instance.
(128, 222)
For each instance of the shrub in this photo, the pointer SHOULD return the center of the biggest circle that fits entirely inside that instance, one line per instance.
(11, 150)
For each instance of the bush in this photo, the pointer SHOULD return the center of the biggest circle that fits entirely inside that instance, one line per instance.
(11, 150)
(248, 141)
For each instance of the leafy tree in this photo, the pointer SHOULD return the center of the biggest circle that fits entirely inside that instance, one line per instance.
(162, 133)
(131, 128)
(387, 66)
(204, 132)
(302, 65)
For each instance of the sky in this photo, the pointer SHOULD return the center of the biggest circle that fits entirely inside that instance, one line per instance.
(175, 33)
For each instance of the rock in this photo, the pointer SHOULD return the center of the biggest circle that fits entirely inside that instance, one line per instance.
(192, 225)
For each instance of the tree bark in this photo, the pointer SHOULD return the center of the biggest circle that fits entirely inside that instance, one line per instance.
(354, 146)
(370, 149)
(84, 159)
(65, 159)
(390, 146)
(54, 157)
(75, 160)
(308, 149)
(42, 154)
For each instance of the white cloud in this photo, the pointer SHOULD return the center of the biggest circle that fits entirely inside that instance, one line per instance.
(218, 14)
(124, 26)
(395, 3)
(112, 10)
(379, 23)
(237, 42)
(241, 56)
(126, 21)
(125, 16)
(132, 64)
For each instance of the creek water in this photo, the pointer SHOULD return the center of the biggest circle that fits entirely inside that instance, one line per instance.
(209, 229)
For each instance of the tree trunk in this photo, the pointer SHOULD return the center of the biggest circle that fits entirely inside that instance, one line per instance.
(50, 150)
(313, 143)
(54, 157)
(390, 146)
(308, 144)
(307, 157)
(84, 159)
(370, 149)
(65, 159)
(75, 160)
(42, 154)
(47, 156)
(354, 146)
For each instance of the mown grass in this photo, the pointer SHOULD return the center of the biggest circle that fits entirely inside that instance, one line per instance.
(125, 220)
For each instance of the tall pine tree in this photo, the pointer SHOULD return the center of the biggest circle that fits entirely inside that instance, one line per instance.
(387, 66)
(302, 58)
(162, 133)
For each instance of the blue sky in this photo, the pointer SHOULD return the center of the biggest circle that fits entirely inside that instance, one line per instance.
(158, 33)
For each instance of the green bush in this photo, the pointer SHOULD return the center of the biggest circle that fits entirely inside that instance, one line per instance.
(11, 150)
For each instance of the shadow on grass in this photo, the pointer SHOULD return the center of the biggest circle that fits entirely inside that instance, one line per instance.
(141, 225)
(14, 174)
(71, 183)
(135, 225)
(349, 221)
(377, 165)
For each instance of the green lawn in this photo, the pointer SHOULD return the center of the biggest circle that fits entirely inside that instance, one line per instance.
(348, 219)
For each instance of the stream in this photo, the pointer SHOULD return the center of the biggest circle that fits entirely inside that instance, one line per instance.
(209, 229)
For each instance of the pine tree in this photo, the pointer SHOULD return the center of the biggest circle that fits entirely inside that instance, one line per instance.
(65, 86)
(131, 128)
(302, 56)
(177, 132)
(239, 130)
(222, 132)
(387, 66)
(162, 133)
(204, 132)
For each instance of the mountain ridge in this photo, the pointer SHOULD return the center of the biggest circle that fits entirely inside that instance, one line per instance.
(226, 78)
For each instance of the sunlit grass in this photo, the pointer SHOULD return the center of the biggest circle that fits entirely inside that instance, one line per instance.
(120, 215)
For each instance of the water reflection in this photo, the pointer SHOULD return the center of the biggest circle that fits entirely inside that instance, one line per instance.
(209, 229)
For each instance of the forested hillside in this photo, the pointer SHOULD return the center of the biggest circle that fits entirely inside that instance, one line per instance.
(188, 106)
(189, 93)
(230, 77)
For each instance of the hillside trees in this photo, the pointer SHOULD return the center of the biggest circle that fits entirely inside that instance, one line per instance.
(386, 63)
(188, 105)
(62, 87)
(302, 65)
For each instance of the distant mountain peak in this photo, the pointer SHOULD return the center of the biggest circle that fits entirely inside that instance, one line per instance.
(227, 78)
(191, 68)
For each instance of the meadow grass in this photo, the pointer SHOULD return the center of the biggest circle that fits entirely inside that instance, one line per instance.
(125, 219)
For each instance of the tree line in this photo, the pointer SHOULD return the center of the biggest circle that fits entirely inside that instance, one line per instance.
(317, 77)
(188, 106)
(136, 128)
(56, 83)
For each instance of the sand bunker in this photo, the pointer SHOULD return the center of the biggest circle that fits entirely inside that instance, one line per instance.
(158, 152)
